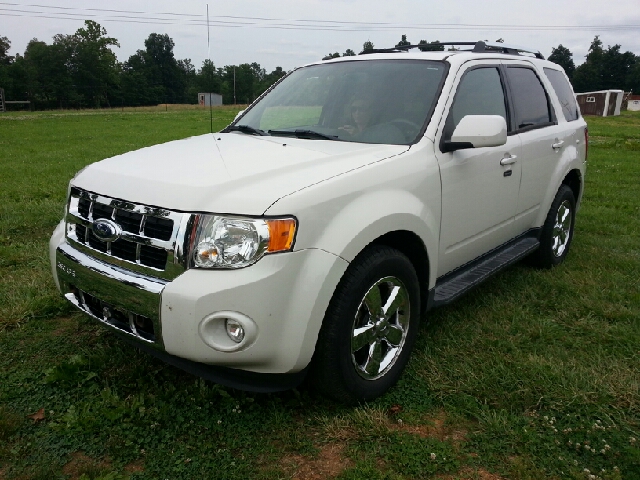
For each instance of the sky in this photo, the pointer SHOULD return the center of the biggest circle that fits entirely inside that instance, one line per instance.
(289, 33)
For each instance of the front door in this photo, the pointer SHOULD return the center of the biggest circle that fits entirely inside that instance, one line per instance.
(479, 188)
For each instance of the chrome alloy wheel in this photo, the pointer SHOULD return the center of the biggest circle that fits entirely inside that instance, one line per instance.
(562, 229)
(380, 328)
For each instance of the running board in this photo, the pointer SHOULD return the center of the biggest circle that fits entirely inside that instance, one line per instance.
(454, 285)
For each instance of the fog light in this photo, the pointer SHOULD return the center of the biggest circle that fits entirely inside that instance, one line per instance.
(228, 331)
(234, 330)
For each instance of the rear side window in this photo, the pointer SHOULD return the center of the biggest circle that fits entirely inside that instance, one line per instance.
(529, 98)
(564, 92)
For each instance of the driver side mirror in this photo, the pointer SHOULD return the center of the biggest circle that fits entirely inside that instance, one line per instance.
(476, 131)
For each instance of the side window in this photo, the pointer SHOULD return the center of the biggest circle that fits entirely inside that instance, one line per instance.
(564, 92)
(529, 98)
(480, 92)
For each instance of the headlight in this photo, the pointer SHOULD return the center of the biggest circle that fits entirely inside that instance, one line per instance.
(232, 242)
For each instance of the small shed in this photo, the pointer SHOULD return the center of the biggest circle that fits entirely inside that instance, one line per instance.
(602, 103)
(209, 99)
(633, 103)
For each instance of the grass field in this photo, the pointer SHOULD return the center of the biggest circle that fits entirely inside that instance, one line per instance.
(533, 375)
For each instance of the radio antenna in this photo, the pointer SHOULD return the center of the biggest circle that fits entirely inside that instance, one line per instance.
(211, 74)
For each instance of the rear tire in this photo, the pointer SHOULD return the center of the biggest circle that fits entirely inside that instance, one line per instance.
(369, 328)
(557, 232)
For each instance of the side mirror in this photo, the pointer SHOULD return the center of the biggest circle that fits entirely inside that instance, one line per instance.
(238, 115)
(476, 131)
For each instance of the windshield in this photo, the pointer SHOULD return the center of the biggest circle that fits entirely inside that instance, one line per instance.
(373, 101)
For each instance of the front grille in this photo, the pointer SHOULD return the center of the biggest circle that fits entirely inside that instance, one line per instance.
(153, 257)
(151, 239)
(126, 250)
(158, 228)
(131, 221)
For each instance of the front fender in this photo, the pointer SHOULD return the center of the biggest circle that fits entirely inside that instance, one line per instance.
(375, 214)
(344, 214)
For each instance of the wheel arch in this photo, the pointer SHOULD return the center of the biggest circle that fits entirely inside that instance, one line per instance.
(573, 180)
(415, 250)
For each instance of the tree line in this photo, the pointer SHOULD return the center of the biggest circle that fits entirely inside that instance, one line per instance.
(604, 68)
(81, 71)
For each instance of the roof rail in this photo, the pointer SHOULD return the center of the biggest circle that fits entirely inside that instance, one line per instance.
(478, 47)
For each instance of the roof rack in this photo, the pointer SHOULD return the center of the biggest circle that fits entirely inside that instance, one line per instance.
(478, 47)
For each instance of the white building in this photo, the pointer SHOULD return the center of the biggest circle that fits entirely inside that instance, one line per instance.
(208, 99)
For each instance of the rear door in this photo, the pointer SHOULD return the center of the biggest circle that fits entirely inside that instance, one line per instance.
(543, 139)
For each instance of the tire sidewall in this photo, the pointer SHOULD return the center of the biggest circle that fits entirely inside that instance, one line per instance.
(376, 264)
(547, 259)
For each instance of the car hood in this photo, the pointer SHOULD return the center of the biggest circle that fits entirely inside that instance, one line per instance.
(226, 172)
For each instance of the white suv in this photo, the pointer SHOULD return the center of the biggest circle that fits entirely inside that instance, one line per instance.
(312, 234)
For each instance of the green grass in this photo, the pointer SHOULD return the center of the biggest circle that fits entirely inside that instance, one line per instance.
(535, 374)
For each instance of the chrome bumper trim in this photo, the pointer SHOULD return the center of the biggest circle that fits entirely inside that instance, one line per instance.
(130, 293)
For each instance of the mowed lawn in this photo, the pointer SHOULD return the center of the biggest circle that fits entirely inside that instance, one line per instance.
(533, 375)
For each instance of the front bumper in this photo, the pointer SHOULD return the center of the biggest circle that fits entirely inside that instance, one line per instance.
(284, 296)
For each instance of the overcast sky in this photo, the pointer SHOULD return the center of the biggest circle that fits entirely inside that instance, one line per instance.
(289, 33)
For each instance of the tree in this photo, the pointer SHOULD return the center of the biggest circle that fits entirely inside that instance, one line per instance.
(153, 75)
(403, 42)
(616, 67)
(349, 53)
(605, 69)
(435, 46)
(5, 45)
(633, 77)
(94, 65)
(163, 69)
(563, 57)
(209, 78)
(587, 77)
(271, 78)
(331, 55)
(367, 46)
(136, 87)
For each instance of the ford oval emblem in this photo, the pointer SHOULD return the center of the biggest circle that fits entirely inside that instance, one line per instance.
(106, 230)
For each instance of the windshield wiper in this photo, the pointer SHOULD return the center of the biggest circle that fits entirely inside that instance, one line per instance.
(244, 129)
(303, 134)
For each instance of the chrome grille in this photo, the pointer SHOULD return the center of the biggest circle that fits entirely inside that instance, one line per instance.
(153, 240)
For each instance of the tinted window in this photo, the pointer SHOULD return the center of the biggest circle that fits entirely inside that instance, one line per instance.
(564, 92)
(529, 98)
(479, 93)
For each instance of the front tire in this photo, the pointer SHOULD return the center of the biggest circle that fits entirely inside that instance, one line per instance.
(369, 328)
(557, 232)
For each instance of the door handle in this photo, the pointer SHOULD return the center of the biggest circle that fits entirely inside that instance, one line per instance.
(510, 160)
(558, 144)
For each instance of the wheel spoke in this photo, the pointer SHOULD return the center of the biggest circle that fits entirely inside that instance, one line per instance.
(363, 336)
(389, 357)
(373, 301)
(394, 302)
(372, 364)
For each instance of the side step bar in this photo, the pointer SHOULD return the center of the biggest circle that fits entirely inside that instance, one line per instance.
(465, 278)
